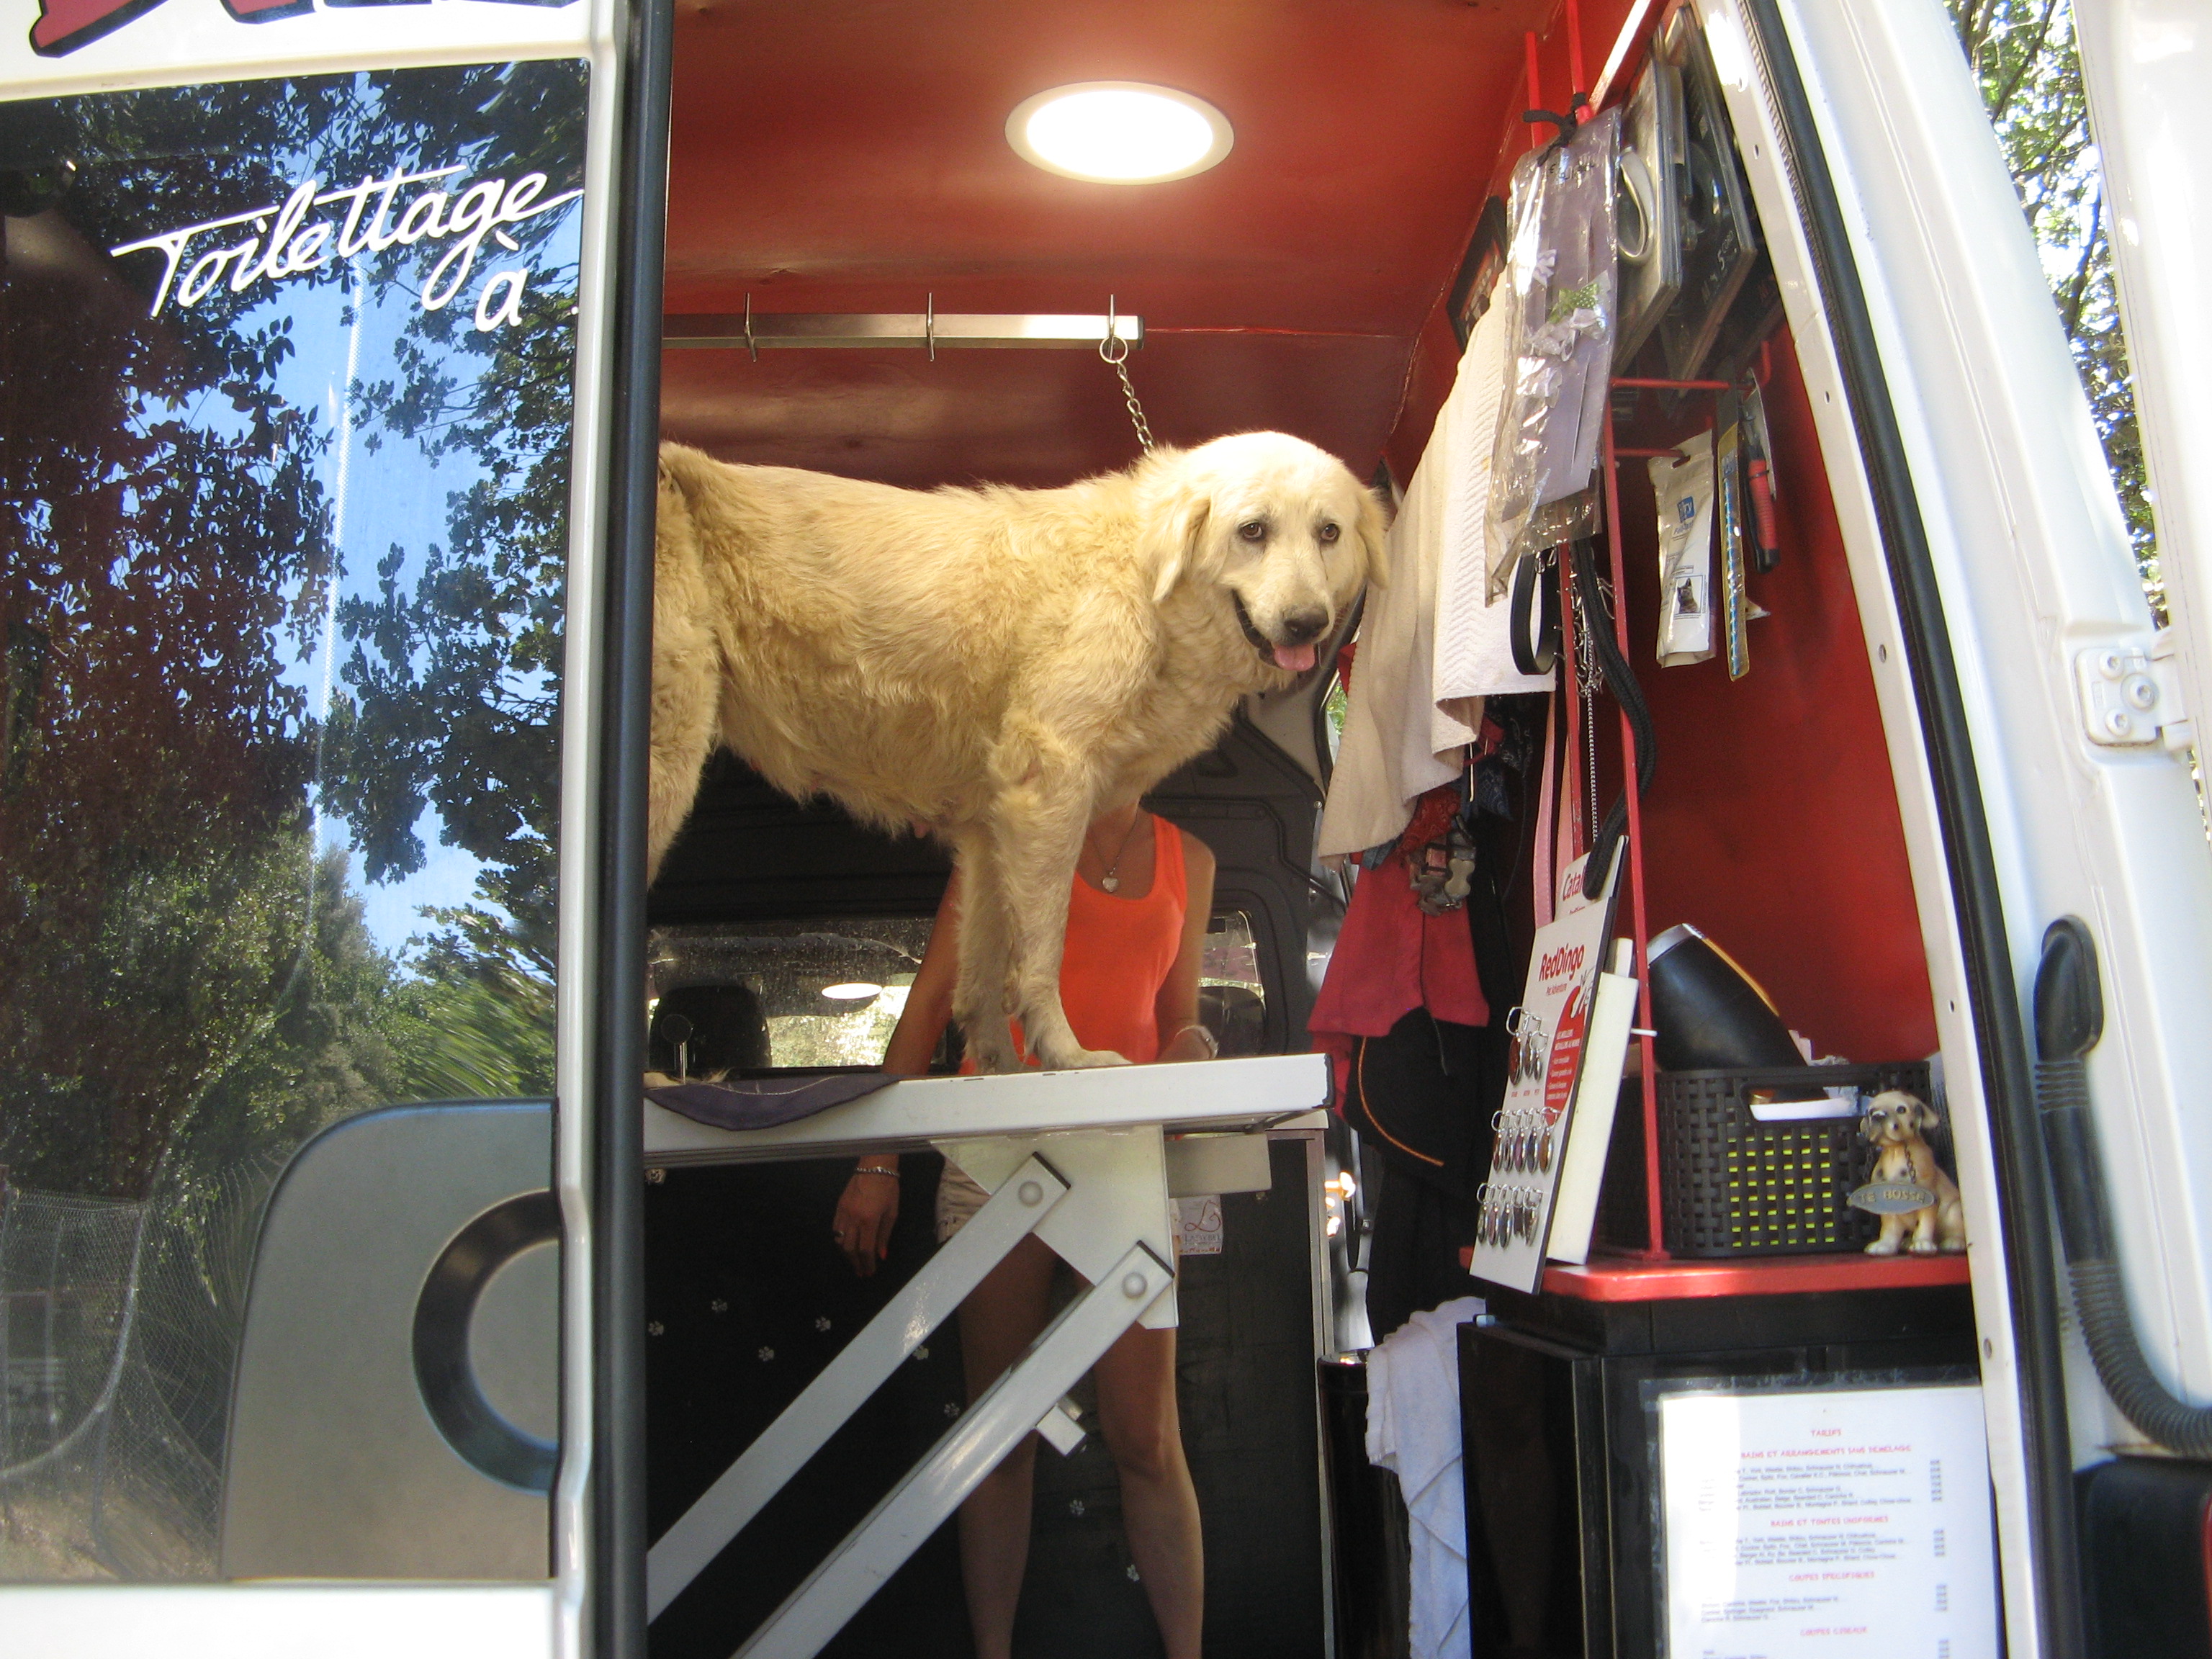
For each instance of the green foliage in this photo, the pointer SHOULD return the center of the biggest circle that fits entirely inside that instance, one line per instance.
(178, 967)
(2025, 62)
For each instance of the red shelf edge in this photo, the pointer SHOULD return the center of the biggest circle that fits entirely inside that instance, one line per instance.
(1631, 1281)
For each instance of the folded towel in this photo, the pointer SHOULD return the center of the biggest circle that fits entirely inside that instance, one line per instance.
(1413, 1430)
(763, 1102)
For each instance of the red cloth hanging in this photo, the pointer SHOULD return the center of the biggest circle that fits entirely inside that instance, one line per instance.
(1391, 957)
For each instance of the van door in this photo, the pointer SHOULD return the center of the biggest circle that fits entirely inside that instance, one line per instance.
(1998, 586)
(305, 334)
(2143, 66)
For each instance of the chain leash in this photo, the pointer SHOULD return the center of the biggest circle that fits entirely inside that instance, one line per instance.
(1113, 351)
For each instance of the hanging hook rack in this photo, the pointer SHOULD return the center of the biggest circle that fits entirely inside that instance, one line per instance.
(932, 330)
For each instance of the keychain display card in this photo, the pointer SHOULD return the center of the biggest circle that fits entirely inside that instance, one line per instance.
(1549, 1031)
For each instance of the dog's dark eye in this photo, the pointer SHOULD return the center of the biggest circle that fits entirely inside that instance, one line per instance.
(1329, 533)
(1252, 530)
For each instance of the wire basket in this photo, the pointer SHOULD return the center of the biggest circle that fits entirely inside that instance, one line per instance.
(1732, 1185)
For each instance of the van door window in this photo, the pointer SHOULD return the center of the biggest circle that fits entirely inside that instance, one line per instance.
(800, 996)
(285, 399)
(810, 996)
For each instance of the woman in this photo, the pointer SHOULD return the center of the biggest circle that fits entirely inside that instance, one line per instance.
(1136, 932)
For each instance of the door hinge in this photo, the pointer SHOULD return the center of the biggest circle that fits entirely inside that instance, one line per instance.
(2132, 698)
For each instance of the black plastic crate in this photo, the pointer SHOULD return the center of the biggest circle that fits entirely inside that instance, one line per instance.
(1730, 1185)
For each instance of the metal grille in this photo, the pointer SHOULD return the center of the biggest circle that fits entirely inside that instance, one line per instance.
(118, 1326)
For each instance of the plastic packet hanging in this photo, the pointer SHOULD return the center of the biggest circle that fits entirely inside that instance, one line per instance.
(1685, 490)
(1561, 279)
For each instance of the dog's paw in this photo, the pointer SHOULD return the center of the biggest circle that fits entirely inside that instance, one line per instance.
(1076, 1060)
(1924, 1247)
(1882, 1247)
(996, 1063)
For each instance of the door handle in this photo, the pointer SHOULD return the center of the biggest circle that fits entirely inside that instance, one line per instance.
(446, 1310)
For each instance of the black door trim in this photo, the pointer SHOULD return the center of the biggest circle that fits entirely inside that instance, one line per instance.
(1993, 996)
(615, 1591)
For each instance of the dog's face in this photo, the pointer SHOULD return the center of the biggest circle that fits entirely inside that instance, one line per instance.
(1893, 1117)
(1282, 530)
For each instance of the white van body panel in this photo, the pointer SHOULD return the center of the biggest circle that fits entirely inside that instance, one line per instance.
(2144, 64)
(182, 42)
(282, 1621)
(2033, 566)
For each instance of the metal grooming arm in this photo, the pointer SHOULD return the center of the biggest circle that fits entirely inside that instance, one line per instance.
(1076, 1157)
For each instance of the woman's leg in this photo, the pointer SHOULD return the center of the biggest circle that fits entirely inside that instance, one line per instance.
(1159, 1508)
(999, 1319)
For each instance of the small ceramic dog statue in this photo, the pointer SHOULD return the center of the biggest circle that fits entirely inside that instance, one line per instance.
(1897, 1123)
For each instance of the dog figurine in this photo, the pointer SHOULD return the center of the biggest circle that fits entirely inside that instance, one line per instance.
(997, 665)
(1898, 1124)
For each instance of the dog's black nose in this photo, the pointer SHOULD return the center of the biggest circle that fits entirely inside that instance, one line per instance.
(1300, 626)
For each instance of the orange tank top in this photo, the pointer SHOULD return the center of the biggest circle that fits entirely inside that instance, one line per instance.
(1118, 952)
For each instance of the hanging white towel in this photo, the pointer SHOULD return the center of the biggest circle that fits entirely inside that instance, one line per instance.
(1413, 1430)
(1392, 753)
(1474, 655)
(1398, 743)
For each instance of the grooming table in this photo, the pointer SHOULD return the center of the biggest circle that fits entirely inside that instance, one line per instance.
(1076, 1157)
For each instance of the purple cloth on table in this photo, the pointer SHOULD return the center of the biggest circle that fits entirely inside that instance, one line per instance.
(763, 1102)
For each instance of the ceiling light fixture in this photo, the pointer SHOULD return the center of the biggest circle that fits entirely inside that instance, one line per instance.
(853, 991)
(1119, 132)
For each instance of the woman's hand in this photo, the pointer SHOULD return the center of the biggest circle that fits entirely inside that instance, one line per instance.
(1192, 1042)
(866, 1214)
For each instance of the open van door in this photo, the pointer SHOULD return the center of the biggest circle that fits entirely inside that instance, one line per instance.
(2039, 742)
(312, 354)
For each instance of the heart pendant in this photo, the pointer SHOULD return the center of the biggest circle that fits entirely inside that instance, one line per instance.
(1110, 882)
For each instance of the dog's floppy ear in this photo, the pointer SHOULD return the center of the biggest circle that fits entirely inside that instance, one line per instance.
(1373, 527)
(1922, 1116)
(1182, 536)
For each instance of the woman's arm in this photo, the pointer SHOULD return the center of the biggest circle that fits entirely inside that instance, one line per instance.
(1175, 1008)
(869, 1208)
(928, 1008)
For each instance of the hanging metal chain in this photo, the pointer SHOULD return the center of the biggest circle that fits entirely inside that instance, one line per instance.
(1114, 351)
(1587, 672)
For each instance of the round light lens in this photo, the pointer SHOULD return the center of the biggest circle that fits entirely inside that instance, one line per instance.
(853, 991)
(1119, 132)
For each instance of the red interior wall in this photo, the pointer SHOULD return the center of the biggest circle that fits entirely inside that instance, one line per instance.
(1772, 821)
(1435, 359)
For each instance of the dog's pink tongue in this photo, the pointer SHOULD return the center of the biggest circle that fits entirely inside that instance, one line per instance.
(1294, 659)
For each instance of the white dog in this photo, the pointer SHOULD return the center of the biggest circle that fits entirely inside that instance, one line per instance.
(997, 665)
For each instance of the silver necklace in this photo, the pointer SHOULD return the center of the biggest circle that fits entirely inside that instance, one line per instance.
(1110, 882)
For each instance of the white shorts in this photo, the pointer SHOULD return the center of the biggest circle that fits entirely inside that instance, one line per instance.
(958, 1197)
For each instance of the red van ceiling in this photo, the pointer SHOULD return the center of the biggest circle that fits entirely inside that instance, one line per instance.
(843, 155)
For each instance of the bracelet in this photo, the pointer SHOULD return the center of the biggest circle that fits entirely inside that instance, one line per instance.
(1213, 1044)
(871, 1169)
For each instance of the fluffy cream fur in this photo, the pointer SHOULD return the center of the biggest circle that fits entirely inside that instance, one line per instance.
(999, 665)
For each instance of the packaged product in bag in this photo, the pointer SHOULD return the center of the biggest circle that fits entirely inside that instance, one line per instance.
(1684, 486)
(1562, 290)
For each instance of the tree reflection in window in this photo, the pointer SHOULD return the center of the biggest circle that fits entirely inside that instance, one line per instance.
(281, 605)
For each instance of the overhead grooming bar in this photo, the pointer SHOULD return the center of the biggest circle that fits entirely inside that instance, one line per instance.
(930, 330)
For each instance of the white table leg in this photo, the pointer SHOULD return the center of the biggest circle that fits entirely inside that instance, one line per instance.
(970, 1449)
(1023, 1200)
